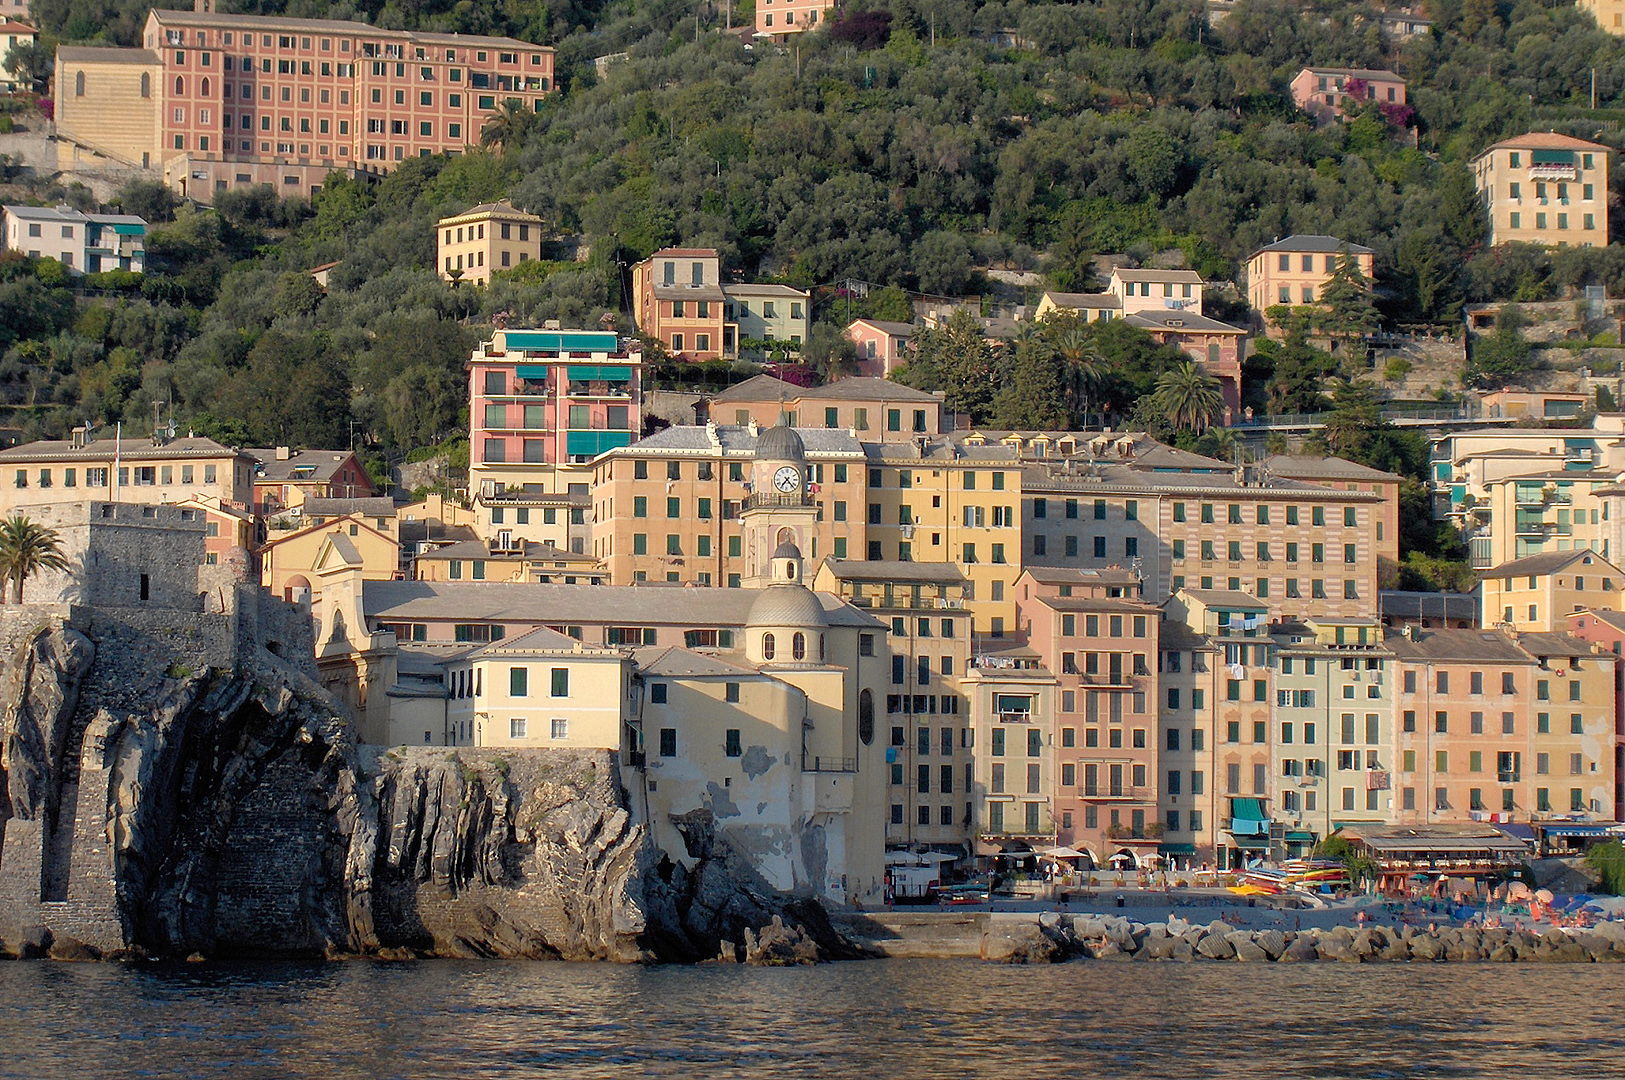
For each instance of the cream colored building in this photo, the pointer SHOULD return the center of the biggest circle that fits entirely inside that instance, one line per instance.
(108, 99)
(128, 468)
(752, 711)
(1088, 307)
(507, 560)
(1540, 592)
(1014, 774)
(1545, 188)
(1544, 512)
(475, 244)
(1610, 14)
(1293, 271)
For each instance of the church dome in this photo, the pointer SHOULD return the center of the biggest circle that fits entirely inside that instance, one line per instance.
(780, 443)
(787, 550)
(787, 605)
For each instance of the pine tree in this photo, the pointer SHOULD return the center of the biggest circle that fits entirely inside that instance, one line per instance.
(1348, 312)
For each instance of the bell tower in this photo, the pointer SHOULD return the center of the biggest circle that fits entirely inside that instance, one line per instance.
(779, 509)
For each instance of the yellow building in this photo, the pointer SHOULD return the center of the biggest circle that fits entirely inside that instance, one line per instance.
(123, 469)
(541, 689)
(1540, 592)
(1544, 512)
(289, 561)
(516, 560)
(107, 99)
(475, 244)
(1545, 188)
(874, 410)
(1014, 773)
(672, 507)
(948, 502)
(927, 716)
(1293, 271)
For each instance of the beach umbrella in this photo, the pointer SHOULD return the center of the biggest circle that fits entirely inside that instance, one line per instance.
(1608, 905)
(1517, 890)
(1543, 895)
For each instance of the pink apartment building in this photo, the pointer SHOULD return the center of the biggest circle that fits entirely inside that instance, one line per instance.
(232, 99)
(1322, 92)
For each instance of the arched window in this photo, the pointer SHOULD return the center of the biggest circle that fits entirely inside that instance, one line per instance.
(79, 83)
(146, 84)
(203, 87)
(180, 86)
(798, 646)
(820, 648)
(768, 647)
(866, 717)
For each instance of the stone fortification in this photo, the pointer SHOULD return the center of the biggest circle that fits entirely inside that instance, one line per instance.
(175, 781)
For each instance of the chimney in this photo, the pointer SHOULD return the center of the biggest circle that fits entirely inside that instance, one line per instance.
(81, 435)
(282, 452)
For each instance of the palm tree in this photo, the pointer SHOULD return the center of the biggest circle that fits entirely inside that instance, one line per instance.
(1189, 397)
(27, 547)
(504, 126)
(1081, 366)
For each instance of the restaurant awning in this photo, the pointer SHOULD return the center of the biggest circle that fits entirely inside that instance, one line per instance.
(1176, 849)
(1579, 831)
(1060, 852)
(1250, 842)
(1300, 837)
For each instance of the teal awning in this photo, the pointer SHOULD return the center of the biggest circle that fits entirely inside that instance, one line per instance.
(600, 373)
(554, 341)
(1176, 849)
(1300, 837)
(1551, 157)
(1251, 843)
(593, 443)
(533, 372)
(1251, 809)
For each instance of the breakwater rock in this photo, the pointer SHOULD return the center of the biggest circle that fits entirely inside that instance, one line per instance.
(177, 785)
(1051, 937)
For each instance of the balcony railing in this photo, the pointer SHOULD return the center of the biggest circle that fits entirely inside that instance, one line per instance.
(815, 763)
(1108, 791)
(774, 499)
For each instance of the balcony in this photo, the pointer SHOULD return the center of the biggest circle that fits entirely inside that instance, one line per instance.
(817, 763)
(1110, 792)
(758, 500)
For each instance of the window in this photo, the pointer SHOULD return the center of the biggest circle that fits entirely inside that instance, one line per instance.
(518, 682)
(731, 743)
(517, 728)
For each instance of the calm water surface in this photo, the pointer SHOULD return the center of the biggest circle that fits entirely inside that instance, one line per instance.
(884, 1019)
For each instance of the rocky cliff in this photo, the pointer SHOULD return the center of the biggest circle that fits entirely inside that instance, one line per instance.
(159, 800)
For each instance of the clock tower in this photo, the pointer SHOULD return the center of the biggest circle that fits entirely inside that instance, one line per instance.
(779, 509)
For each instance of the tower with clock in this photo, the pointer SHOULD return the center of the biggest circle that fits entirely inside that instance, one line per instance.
(779, 508)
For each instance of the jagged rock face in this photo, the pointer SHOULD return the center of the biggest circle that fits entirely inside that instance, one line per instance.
(240, 818)
(41, 689)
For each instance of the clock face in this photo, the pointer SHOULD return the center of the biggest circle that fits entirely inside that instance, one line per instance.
(787, 479)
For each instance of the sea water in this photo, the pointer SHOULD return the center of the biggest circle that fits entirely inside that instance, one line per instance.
(871, 1020)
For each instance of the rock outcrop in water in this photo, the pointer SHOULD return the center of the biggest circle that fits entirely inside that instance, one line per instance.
(174, 784)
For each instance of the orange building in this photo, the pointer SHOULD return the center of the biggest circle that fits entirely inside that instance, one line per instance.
(677, 299)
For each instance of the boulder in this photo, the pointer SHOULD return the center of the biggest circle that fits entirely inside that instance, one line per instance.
(1337, 947)
(1215, 947)
(29, 942)
(1182, 950)
(779, 945)
(1426, 947)
(1247, 951)
(1050, 920)
(1160, 948)
(1088, 927)
(71, 948)
(1300, 950)
(1018, 943)
(1110, 950)
(1504, 954)
(1273, 942)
